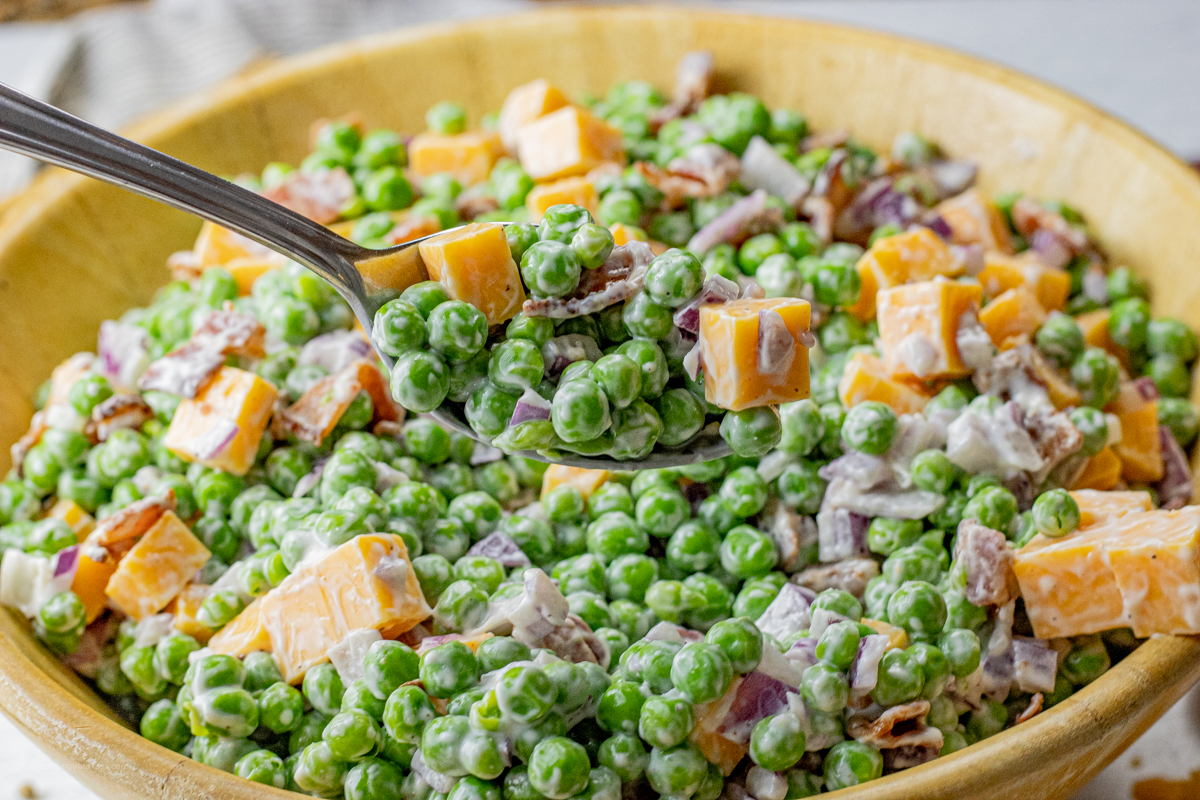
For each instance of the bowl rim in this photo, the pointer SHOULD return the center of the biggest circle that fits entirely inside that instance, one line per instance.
(1144, 684)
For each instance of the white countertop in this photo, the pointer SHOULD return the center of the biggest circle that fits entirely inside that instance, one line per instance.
(1139, 60)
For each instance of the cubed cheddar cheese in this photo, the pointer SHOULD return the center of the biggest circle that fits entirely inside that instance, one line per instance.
(1016, 313)
(1101, 472)
(918, 326)
(367, 582)
(1094, 325)
(475, 265)
(576, 190)
(1099, 507)
(162, 562)
(90, 582)
(469, 156)
(624, 234)
(1050, 285)
(246, 633)
(186, 606)
(569, 141)
(222, 426)
(71, 513)
(866, 378)
(1061, 391)
(1067, 584)
(914, 255)
(247, 271)
(524, 104)
(1140, 449)
(65, 375)
(1140, 569)
(1156, 561)
(586, 481)
(897, 637)
(219, 246)
(735, 374)
(973, 219)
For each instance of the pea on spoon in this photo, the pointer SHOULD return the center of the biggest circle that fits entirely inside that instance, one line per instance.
(365, 278)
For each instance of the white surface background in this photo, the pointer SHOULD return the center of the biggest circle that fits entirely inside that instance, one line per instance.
(1139, 59)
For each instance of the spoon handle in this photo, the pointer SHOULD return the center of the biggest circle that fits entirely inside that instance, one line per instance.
(41, 131)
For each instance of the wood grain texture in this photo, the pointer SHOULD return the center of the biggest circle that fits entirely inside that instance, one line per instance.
(74, 252)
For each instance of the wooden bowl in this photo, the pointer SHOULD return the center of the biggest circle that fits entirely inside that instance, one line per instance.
(74, 252)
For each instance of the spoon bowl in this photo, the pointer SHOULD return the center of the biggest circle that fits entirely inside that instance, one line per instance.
(365, 278)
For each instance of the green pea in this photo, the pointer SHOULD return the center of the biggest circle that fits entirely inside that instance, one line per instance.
(1128, 322)
(592, 244)
(838, 644)
(318, 771)
(559, 768)
(1055, 513)
(994, 507)
(745, 491)
(500, 651)
(1170, 375)
(1122, 283)
(425, 296)
(560, 222)
(962, 650)
(446, 118)
(457, 330)
(449, 669)
(398, 328)
(693, 547)
(840, 602)
(406, 714)
(901, 678)
(988, 721)
(747, 552)
(170, 654)
(489, 409)
(919, 608)
(533, 536)
(516, 365)
(851, 763)
(756, 250)
(665, 721)
(801, 487)
(1171, 337)
(777, 742)
(678, 771)
(702, 672)
(625, 755)
(163, 724)
(373, 779)
(323, 689)
(753, 432)
(620, 707)
(281, 708)
(308, 731)
(870, 427)
(1180, 416)
(1087, 660)
(825, 687)
(1061, 340)
(629, 576)
(653, 364)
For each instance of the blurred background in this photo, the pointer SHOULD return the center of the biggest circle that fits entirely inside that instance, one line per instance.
(115, 62)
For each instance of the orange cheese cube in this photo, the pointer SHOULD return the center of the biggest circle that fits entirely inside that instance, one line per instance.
(186, 606)
(1094, 325)
(469, 156)
(218, 246)
(624, 234)
(735, 376)
(1156, 561)
(246, 633)
(1068, 586)
(866, 378)
(1098, 507)
(367, 582)
(79, 520)
(476, 266)
(897, 637)
(1101, 472)
(247, 271)
(1014, 313)
(918, 325)
(973, 219)
(1061, 391)
(525, 104)
(585, 480)
(1051, 286)
(222, 426)
(64, 376)
(157, 568)
(915, 255)
(90, 582)
(575, 190)
(1140, 449)
(569, 141)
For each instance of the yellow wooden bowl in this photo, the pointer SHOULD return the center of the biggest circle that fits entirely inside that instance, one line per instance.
(75, 252)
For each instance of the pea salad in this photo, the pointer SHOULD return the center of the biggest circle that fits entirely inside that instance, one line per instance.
(959, 491)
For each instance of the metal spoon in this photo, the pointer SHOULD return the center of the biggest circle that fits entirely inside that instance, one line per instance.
(365, 278)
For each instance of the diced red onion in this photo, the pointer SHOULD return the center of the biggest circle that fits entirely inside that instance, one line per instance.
(485, 454)
(864, 672)
(213, 441)
(309, 482)
(386, 476)
(971, 256)
(750, 288)
(670, 632)
(998, 655)
(563, 351)
(763, 168)
(803, 652)
(1175, 488)
(1095, 285)
(502, 548)
(1035, 664)
(787, 613)
(775, 665)
(808, 339)
(822, 618)
(334, 351)
(841, 534)
(765, 785)
(693, 362)
(773, 464)
(776, 345)
(530, 407)
(730, 223)
(758, 696)
(1145, 388)
(1050, 248)
(88, 657)
(939, 226)
(122, 352)
(695, 494)
(716, 289)
(63, 566)
(953, 177)
(878, 204)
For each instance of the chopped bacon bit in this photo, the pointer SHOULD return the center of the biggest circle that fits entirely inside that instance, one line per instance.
(185, 265)
(470, 206)
(574, 641)
(187, 368)
(319, 195)
(414, 636)
(412, 228)
(1029, 218)
(116, 533)
(1175, 488)
(121, 411)
(389, 429)
(1033, 709)
(851, 575)
(37, 426)
(835, 137)
(239, 334)
(693, 74)
(989, 562)
(898, 726)
(317, 412)
(705, 170)
(619, 278)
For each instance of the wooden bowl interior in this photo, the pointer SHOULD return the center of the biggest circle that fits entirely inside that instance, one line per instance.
(74, 252)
